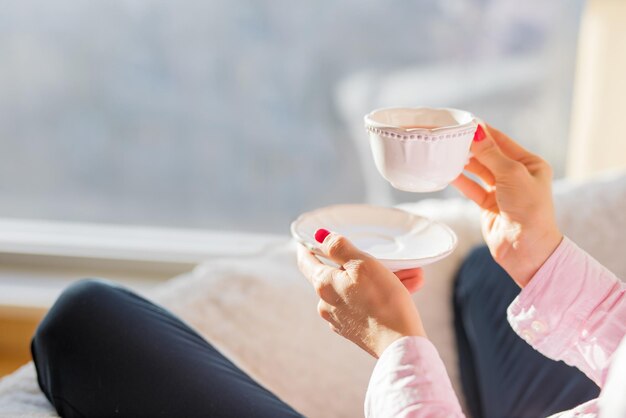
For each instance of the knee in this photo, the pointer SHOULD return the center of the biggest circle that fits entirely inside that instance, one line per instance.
(83, 291)
(75, 306)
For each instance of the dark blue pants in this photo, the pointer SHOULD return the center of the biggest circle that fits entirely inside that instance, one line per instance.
(104, 351)
(503, 376)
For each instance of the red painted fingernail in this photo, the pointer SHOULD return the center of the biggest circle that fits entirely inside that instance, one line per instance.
(321, 234)
(479, 135)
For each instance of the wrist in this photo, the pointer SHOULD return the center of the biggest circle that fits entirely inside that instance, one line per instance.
(388, 337)
(523, 262)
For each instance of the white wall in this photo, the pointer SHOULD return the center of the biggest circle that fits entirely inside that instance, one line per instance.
(598, 129)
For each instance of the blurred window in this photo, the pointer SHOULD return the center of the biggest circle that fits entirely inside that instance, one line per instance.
(239, 115)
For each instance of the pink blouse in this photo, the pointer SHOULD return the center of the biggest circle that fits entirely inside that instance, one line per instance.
(573, 310)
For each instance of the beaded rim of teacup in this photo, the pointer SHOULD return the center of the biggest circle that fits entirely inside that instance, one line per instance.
(411, 136)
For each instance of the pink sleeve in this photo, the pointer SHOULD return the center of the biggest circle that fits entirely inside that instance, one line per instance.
(410, 381)
(573, 310)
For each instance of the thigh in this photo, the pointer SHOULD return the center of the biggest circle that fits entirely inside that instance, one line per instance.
(103, 350)
(502, 375)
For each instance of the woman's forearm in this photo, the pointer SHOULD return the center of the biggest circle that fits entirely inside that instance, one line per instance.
(574, 309)
(410, 381)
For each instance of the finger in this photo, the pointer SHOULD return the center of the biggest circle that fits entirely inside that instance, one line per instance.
(409, 273)
(476, 167)
(540, 168)
(509, 147)
(321, 276)
(413, 284)
(412, 279)
(309, 265)
(334, 328)
(325, 311)
(475, 192)
(340, 250)
(487, 152)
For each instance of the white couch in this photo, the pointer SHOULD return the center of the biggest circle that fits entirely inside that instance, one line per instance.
(262, 313)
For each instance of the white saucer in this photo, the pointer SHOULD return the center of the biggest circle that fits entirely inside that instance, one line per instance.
(398, 239)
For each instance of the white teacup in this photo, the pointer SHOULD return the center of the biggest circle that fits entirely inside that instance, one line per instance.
(420, 149)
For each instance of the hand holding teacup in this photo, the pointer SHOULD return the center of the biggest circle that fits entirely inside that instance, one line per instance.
(518, 220)
(424, 150)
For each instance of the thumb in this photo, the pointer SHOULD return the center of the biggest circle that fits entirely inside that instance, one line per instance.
(338, 248)
(487, 152)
